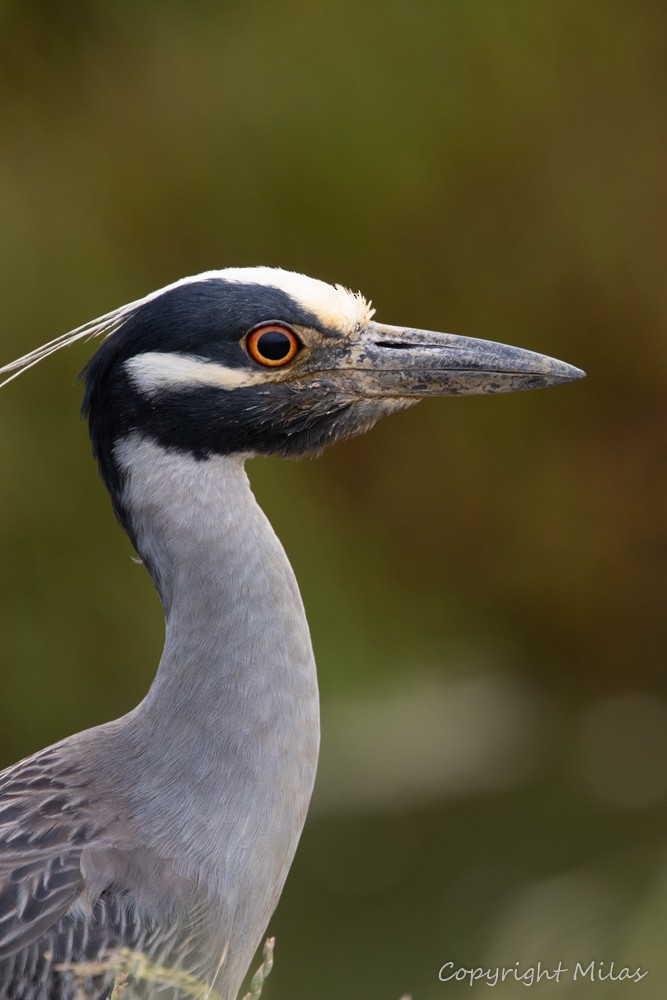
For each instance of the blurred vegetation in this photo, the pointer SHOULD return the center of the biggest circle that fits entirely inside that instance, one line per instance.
(131, 971)
(485, 578)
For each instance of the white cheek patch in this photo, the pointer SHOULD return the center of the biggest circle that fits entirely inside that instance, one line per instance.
(155, 372)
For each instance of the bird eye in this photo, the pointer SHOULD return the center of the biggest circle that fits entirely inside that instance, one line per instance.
(273, 345)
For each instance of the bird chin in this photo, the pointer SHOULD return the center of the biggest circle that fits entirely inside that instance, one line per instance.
(365, 413)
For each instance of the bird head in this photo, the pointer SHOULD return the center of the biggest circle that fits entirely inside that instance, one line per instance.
(247, 361)
(264, 361)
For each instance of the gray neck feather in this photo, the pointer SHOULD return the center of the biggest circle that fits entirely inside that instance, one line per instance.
(230, 727)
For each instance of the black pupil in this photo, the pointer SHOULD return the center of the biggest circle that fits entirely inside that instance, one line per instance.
(274, 345)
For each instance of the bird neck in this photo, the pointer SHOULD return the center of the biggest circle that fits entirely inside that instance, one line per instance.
(229, 731)
(238, 659)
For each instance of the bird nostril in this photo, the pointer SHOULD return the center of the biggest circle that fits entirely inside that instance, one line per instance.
(397, 345)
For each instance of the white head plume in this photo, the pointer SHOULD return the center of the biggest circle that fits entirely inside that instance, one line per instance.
(332, 303)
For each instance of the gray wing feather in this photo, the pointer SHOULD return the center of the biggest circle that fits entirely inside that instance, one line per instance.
(52, 825)
(45, 823)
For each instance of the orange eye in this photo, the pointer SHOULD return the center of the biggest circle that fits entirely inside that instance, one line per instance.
(273, 345)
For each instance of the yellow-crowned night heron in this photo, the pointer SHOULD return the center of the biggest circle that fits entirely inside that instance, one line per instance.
(171, 830)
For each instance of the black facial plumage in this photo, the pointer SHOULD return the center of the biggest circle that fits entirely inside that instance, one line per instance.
(207, 320)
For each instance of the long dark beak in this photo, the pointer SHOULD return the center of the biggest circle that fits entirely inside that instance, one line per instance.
(394, 361)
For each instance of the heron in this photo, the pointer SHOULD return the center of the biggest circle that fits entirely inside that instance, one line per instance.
(170, 831)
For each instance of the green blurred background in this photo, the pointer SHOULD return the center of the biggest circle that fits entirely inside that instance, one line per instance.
(484, 577)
